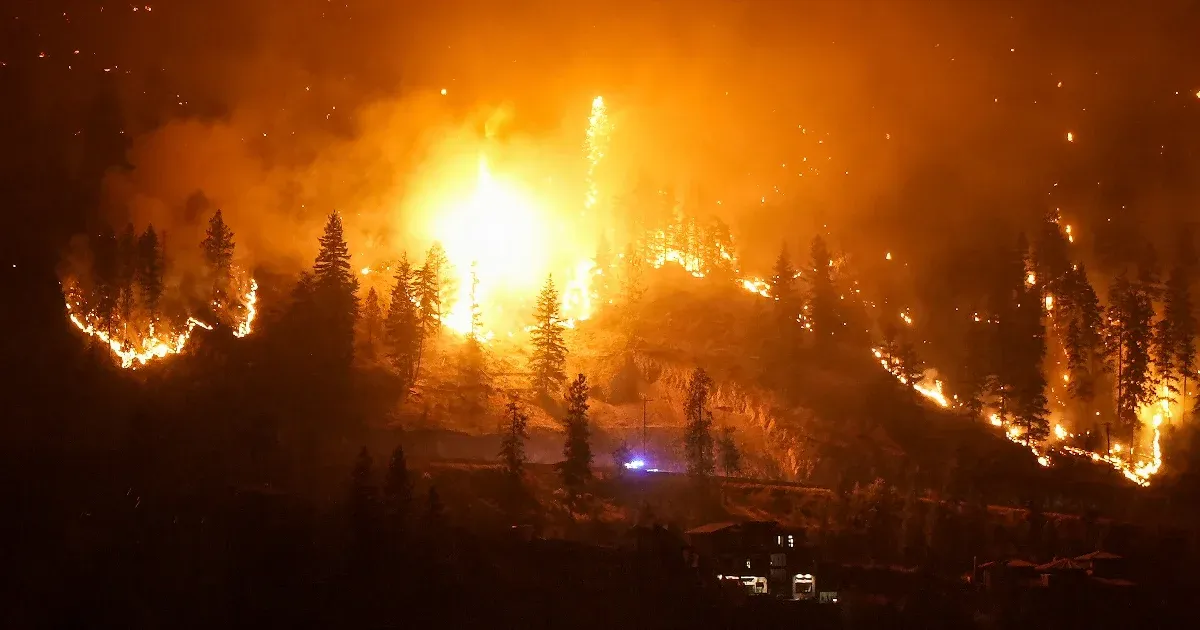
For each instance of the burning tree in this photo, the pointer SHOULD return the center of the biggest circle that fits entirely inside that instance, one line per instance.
(576, 467)
(698, 440)
(474, 385)
(1024, 332)
(549, 351)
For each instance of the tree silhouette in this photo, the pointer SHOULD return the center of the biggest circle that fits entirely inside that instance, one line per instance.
(1028, 352)
(397, 491)
(823, 307)
(731, 457)
(787, 307)
(127, 259)
(435, 289)
(106, 269)
(576, 467)
(217, 247)
(1175, 334)
(512, 444)
(473, 378)
(335, 294)
(1084, 341)
(1130, 314)
(549, 352)
(150, 272)
(372, 322)
(402, 328)
(698, 440)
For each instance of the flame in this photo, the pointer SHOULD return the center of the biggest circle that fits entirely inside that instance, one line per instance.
(577, 293)
(501, 232)
(757, 286)
(250, 301)
(149, 348)
(155, 344)
(597, 145)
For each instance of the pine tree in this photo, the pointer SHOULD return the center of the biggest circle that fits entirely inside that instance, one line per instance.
(127, 259)
(576, 467)
(731, 457)
(633, 278)
(397, 490)
(474, 382)
(698, 440)
(434, 289)
(1175, 334)
(1179, 311)
(1130, 335)
(335, 293)
(1027, 379)
(1051, 257)
(549, 351)
(372, 322)
(823, 306)
(105, 269)
(218, 256)
(622, 455)
(150, 272)
(911, 368)
(402, 328)
(1084, 338)
(512, 445)
(783, 290)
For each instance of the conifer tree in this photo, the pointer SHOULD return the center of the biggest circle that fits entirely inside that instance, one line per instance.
(150, 272)
(1176, 332)
(1027, 383)
(698, 440)
(549, 351)
(1179, 311)
(218, 256)
(1084, 338)
(823, 306)
(783, 289)
(434, 289)
(473, 377)
(731, 457)
(912, 369)
(512, 445)
(372, 322)
(397, 490)
(127, 259)
(1130, 335)
(576, 467)
(633, 278)
(105, 269)
(335, 292)
(402, 327)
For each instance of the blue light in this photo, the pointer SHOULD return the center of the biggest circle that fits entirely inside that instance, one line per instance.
(636, 464)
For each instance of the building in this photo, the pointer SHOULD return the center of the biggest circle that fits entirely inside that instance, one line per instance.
(765, 558)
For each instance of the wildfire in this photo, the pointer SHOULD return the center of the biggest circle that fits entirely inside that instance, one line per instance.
(597, 145)
(150, 348)
(250, 302)
(500, 231)
(757, 286)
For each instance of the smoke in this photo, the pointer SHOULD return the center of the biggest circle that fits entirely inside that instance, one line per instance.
(927, 130)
